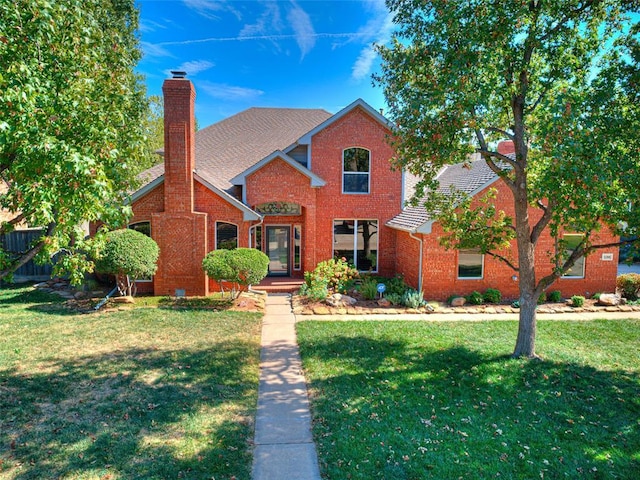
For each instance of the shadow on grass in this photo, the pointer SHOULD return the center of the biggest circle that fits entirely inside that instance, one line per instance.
(388, 409)
(131, 414)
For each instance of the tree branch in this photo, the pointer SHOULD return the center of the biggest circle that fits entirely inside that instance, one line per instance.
(14, 221)
(29, 254)
(543, 222)
(504, 260)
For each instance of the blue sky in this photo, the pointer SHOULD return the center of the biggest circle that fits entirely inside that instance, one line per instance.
(284, 53)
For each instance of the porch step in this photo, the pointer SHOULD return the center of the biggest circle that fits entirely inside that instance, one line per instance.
(279, 285)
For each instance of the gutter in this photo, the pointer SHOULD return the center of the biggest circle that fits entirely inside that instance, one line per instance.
(420, 241)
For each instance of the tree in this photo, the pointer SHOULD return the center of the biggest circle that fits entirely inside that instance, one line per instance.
(154, 129)
(240, 266)
(558, 78)
(71, 116)
(129, 255)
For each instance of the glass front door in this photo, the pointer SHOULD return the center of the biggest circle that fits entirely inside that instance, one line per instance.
(278, 250)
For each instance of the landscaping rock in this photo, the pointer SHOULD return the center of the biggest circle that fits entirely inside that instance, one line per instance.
(458, 301)
(321, 310)
(124, 299)
(609, 299)
(339, 300)
(383, 302)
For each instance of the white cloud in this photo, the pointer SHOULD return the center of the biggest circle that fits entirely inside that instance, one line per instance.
(147, 26)
(229, 92)
(303, 28)
(377, 30)
(194, 67)
(154, 50)
(269, 21)
(211, 8)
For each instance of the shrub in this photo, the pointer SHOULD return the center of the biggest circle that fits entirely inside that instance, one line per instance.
(542, 298)
(369, 288)
(628, 285)
(338, 274)
(475, 298)
(129, 255)
(394, 298)
(577, 300)
(413, 299)
(241, 266)
(555, 296)
(492, 295)
(315, 290)
(395, 285)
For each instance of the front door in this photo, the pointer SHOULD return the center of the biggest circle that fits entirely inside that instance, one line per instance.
(278, 250)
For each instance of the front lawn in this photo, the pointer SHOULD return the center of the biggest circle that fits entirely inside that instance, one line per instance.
(410, 400)
(148, 393)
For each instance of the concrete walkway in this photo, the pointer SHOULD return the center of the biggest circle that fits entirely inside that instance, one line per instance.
(284, 448)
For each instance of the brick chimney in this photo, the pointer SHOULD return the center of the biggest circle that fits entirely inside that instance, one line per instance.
(506, 146)
(179, 141)
(180, 231)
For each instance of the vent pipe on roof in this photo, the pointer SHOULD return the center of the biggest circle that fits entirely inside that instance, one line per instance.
(178, 74)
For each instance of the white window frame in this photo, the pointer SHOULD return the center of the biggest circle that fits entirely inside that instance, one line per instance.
(469, 251)
(583, 259)
(355, 238)
(368, 173)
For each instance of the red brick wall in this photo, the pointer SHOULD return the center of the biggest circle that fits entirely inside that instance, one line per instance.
(440, 265)
(278, 181)
(356, 129)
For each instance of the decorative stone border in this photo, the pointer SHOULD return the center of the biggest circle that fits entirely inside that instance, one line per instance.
(300, 308)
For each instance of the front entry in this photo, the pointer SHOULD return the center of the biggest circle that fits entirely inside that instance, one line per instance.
(277, 245)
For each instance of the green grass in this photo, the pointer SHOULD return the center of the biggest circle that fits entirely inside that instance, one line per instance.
(149, 393)
(409, 400)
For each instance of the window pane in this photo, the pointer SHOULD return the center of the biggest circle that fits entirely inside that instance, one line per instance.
(356, 160)
(142, 227)
(343, 231)
(297, 241)
(469, 264)
(572, 242)
(356, 183)
(367, 245)
(226, 236)
(357, 242)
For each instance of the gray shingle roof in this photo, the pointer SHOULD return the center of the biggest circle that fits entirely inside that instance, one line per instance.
(227, 148)
(464, 177)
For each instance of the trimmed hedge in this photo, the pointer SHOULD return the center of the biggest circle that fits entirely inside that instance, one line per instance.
(241, 267)
(129, 255)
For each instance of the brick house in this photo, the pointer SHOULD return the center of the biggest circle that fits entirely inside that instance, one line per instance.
(303, 186)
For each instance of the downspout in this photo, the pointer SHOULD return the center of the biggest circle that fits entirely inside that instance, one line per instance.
(420, 241)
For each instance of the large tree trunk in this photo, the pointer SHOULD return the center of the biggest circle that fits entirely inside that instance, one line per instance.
(526, 340)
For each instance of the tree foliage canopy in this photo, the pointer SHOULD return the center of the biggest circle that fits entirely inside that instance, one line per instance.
(559, 79)
(127, 253)
(71, 116)
(240, 266)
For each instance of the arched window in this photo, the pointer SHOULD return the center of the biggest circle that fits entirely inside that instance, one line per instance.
(356, 164)
(142, 227)
(226, 236)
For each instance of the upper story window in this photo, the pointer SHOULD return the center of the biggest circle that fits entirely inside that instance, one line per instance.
(356, 165)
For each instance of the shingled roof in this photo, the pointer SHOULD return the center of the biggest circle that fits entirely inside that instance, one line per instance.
(227, 148)
(468, 178)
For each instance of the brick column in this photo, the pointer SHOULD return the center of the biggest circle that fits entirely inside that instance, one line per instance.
(181, 233)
